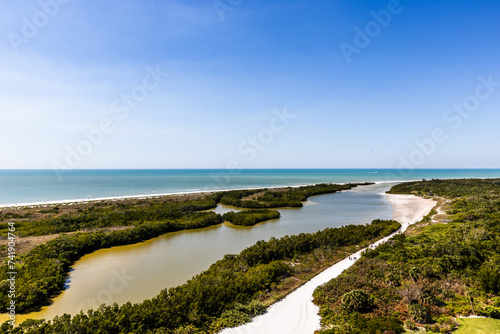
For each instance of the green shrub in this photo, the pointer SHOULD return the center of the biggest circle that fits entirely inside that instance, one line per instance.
(419, 313)
(232, 318)
(409, 324)
(255, 308)
(491, 312)
(489, 278)
(185, 330)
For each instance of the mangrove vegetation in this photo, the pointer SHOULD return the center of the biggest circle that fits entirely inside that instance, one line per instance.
(440, 270)
(227, 294)
(41, 271)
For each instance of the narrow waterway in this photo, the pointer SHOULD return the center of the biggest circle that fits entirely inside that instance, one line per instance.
(140, 271)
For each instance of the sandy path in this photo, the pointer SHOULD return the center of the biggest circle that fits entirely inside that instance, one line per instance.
(296, 314)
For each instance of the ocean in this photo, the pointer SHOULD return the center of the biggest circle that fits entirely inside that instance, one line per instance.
(21, 187)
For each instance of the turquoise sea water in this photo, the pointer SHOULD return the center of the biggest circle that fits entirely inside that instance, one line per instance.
(34, 186)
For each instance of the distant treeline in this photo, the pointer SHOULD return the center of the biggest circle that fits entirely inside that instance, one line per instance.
(110, 214)
(447, 269)
(224, 295)
(289, 197)
(449, 188)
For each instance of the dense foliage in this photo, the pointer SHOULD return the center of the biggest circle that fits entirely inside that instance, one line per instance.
(289, 246)
(446, 270)
(224, 295)
(449, 188)
(110, 214)
(357, 300)
(250, 217)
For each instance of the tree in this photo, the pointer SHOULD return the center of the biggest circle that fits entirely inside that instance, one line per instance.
(357, 300)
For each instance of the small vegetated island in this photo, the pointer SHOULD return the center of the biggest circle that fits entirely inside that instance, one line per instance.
(251, 217)
(64, 233)
(446, 266)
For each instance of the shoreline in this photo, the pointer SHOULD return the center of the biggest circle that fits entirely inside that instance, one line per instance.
(407, 209)
(354, 188)
(161, 195)
(296, 313)
(73, 201)
(368, 187)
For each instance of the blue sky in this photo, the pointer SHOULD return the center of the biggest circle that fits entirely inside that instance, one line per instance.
(252, 84)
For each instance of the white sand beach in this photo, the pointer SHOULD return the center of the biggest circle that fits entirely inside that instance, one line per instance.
(296, 314)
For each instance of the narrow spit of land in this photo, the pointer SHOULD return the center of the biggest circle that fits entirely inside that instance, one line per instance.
(296, 314)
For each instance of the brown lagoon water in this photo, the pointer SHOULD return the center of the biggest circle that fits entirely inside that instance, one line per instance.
(140, 271)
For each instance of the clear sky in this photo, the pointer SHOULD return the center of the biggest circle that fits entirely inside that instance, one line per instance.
(252, 84)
